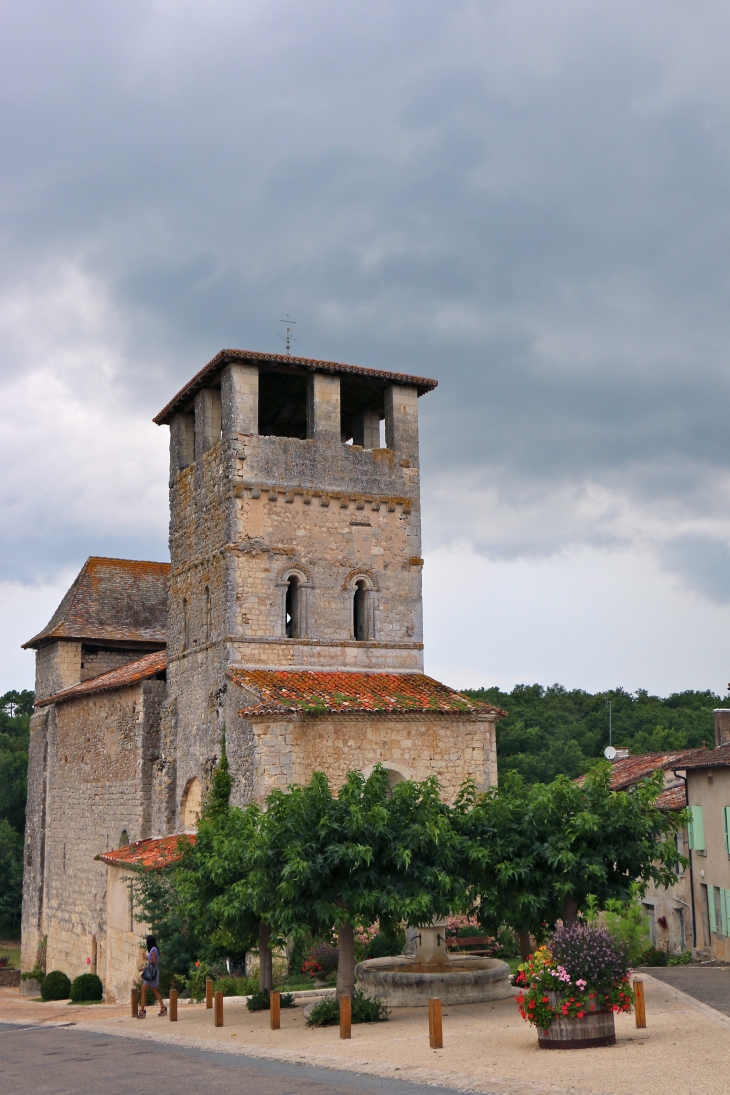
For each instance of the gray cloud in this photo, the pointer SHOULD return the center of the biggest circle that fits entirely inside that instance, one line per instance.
(528, 203)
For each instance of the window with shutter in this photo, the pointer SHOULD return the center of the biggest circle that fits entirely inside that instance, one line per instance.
(726, 812)
(727, 906)
(722, 896)
(697, 829)
(711, 903)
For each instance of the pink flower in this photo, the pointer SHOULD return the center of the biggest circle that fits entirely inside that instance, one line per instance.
(581, 984)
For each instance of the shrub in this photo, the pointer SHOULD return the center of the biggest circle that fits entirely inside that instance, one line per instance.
(4, 959)
(236, 986)
(55, 986)
(326, 957)
(683, 959)
(384, 945)
(365, 1009)
(86, 987)
(589, 953)
(627, 922)
(260, 1001)
(652, 956)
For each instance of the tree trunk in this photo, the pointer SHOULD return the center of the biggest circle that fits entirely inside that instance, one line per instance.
(525, 947)
(266, 976)
(570, 911)
(346, 962)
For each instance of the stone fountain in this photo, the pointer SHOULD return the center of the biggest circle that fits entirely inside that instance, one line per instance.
(408, 980)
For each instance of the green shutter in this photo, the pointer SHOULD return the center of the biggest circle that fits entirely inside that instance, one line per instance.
(697, 829)
(723, 910)
(727, 906)
(711, 903)
(726, 812)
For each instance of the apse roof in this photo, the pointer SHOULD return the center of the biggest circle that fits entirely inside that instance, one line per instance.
(155, 853)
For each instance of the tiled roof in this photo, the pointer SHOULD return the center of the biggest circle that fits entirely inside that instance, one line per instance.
(672, 799)
(629, 770)
(708, 758)
(210, 371)
(156, 853)
(148, 666)
(117, 600)
(310, 692)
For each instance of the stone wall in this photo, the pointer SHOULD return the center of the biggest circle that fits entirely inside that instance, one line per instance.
(452, 746)
(57, 666)
(100, 755)
(96, 660)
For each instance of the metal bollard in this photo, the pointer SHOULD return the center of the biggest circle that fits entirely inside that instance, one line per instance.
(435, 1023)
(173, 1005)
(345, 1017)
(135, 1003)
(639, 1004)
(218, 1009)
(208, 993)
(274, 1010)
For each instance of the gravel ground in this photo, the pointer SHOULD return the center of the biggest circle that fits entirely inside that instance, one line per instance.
(487, 1047)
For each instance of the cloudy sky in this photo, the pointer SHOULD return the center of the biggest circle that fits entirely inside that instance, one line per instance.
(528, 201)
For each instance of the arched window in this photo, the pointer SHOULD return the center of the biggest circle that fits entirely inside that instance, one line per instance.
(124, 839)
(293, 606)
(363, 625)
(186, 626)
(208, 618)
(190, 804)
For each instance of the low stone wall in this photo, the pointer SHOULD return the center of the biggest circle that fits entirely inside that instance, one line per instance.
(9, 978)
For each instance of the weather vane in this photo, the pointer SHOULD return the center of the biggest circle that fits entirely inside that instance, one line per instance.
(289, 336)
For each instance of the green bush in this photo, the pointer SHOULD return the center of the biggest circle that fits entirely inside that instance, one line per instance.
(260, 1001)
(365, 1009)
(383, 945)
(55, 986)
(236, 986)
(86, 987)
(683, 959)
(654, 957)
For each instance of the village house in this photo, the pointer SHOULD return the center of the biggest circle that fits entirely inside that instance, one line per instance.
(290, 615)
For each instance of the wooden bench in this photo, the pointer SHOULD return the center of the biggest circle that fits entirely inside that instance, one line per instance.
(472, 941)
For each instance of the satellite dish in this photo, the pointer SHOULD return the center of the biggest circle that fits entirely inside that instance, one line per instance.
(609, 752)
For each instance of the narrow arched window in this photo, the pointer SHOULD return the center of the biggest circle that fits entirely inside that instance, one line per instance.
(186, 626)
(292, 611)
(124, 839)
(208, 618)
(360, 628)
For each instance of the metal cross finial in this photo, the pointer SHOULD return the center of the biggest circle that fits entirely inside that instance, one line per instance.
(289, 336)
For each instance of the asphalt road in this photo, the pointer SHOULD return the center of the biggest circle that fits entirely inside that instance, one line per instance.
(69, 1061)
(709, 984)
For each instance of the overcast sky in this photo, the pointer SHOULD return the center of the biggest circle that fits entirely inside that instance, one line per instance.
(527, 201)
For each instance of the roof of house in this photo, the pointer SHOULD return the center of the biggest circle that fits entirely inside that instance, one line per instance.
(112, 600)
(156, 853)
(708, 758)
(672, 799)
(209, 373)
(318, 693)
(626, 771)
(141, 669)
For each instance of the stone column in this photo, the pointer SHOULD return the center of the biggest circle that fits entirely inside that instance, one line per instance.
(401, 421)
(182, 443)
(323, 408)
(239, 400)
(207, 420)
(366, 429)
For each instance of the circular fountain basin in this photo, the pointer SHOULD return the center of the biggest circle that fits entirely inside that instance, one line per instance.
(400, 982)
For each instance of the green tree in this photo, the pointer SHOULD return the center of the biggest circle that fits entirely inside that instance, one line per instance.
(539, 851)
(11, 880)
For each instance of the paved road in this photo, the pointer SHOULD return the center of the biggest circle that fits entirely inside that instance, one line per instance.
(709, 984)
(69, 1061)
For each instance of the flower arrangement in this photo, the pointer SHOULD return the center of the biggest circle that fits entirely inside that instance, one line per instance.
(581, 969)
(321, 961)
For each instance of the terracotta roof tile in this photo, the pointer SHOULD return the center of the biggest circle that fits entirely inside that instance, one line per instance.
(629, 770)
(117, 600)
(141, 669)
(310, 692)
(156, 853)
(708, 758)
(672, 799)
(210, 371)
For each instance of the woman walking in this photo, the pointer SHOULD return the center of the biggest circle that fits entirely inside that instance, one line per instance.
(151, 977)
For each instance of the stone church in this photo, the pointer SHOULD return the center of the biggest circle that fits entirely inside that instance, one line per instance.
(290, 614)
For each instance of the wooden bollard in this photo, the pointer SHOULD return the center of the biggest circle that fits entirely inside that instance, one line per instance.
(173, 1005)
(274, 1010)
(135, 1003)
(209, 993)
(345, 1017)
(218, 1009)
(435, 1023)
(639, 1005)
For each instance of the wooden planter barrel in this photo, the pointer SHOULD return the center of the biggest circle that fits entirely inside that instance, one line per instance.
(596, 1028)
